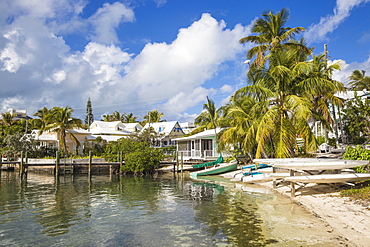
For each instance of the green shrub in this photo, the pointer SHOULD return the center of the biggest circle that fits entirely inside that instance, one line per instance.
(138, 156)
(358, 153)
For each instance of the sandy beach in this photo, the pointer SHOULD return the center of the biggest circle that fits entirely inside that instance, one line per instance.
(347, 218)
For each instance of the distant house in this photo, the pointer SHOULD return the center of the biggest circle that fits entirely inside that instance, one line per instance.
(165, 132)
(199, 146)
(112, 131)
(50, 139)
(187, 127)
(133, 127)
(108, 131)
(18, 114)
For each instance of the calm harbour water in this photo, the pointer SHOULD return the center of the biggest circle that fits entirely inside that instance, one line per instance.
(146, 211)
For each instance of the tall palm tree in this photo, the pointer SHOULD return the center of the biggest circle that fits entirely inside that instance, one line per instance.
(61, 121)
(154, 117)
(358, 81)
(285, 91)
(271, 35)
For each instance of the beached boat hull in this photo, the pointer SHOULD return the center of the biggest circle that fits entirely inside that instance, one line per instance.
(222, 168)
(330, 178)
(256, 178)
(313, 163)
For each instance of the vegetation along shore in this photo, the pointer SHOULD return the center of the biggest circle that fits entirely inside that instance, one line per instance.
(291, 107)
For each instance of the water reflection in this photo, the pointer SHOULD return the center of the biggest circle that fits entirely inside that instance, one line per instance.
(126, 211)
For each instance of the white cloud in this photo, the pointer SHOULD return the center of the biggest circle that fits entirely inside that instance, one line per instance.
(182, 101)
(328, 24)
(347, 70)
(107, 19)
(37, 67)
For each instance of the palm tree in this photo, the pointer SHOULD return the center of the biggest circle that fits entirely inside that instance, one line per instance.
(359, 81)
(7, 119)
(41, 122)
(271, 35)
(61, 121)
(154, 117)
(130, 118)
(240, 132)
(115, 116)
(286, 91)
(209, 118)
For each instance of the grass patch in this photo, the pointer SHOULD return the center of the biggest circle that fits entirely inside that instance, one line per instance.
(360, 192)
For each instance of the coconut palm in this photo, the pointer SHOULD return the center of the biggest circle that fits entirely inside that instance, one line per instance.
(271, 35)
(130, 118)
(154, 117)
(358, 81)
(208, 118)
(7, 119)
(240, 132)
(115, 116)
(286, 92)
(40, 123)
(321, 89)
(61, 121)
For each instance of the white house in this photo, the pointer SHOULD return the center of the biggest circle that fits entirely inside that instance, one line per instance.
(187, 127)
(166, 132)
(202, 145)
(133, 127)
(50, 139)
(112, 131)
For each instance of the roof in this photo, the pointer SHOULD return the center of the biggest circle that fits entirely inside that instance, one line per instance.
(109, 128)
(162, 127)
(347, 95)
(132, 126)
(201, 135)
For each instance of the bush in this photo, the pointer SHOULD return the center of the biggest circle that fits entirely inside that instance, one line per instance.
(138, 156)
(358, 153)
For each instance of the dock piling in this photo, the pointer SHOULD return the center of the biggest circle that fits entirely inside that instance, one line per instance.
(57, 160)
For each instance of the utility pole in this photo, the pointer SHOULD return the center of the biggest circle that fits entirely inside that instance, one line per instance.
(333, 107)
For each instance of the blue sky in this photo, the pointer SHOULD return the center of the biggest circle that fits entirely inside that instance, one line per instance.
(137, 56)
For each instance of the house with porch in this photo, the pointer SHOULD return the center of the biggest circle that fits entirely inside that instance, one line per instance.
(50, 139)
(165, 133)
(202, 145)
(107, 131)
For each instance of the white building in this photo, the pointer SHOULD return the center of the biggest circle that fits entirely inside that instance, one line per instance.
(202, 145)
(165, 132)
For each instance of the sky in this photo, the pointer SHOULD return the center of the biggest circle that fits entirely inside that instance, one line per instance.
(134, 56)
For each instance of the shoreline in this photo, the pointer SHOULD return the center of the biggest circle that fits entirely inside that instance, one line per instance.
(349, 219)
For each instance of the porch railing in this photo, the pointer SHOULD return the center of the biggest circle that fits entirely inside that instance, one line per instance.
(197, 154)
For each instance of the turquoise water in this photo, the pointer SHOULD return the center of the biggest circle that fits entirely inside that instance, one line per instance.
(146, 211)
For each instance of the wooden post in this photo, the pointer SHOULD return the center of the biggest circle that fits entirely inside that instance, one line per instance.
(182, 163)
(274, 180)
(21, 164)
(57, 163)
(90, 161)
(1, 161)
(120, 159)
(292, 184)
(176, 161)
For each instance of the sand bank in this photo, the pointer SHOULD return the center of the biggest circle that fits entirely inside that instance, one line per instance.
(348, 219)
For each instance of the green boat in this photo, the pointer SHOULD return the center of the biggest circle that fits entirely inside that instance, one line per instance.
(221, 168)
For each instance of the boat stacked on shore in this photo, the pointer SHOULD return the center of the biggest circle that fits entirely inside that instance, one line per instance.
(309, 170)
